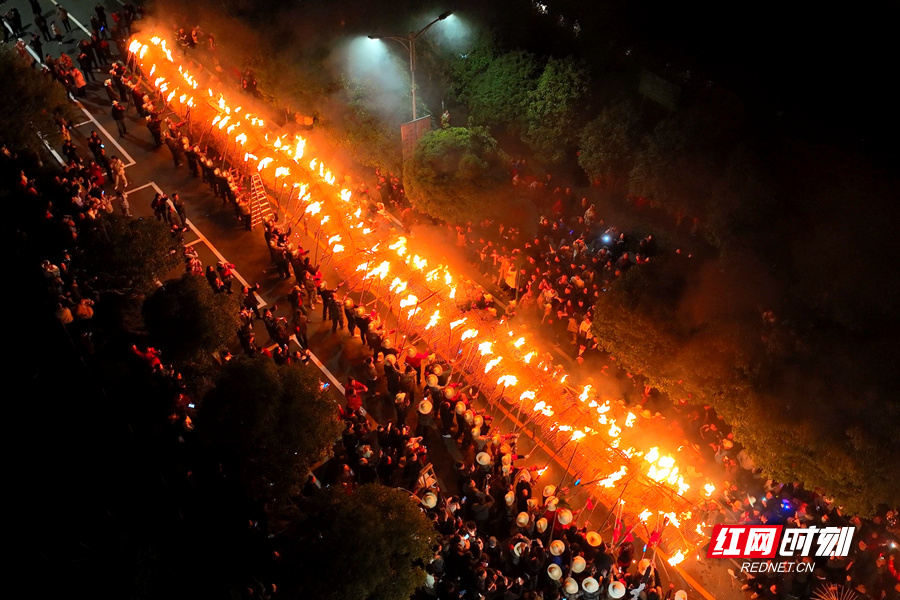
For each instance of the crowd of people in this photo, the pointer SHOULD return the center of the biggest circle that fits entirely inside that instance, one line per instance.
(505, 534)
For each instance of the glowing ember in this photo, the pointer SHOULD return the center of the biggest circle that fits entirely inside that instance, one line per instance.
(673, 519)
(433, 320)
(585, 392)
(264, 163)
(678, 558)
(519, 342)
(419, 262)
(333, 239)
(345, 195)
(651, 456)
(413, 312)
(337, 248)
(223, 121)
(469, 334)
(298, 149)
(507, 380)
(610, 480)
(453, 292)
(491, 364)
(241, 138)
(563, 378)
(399, 245)
(408, 301)
(248, 156)
(529, 395)
(134, 46)
(313, 209)
(455, 324)
(182, 98)
(629, 420)
(646, 514)
(577, 435)
(170, 96)
(282, 172)
(614, 430)
(527, 358)
(312, 164)
(486, 348)
(710, 488)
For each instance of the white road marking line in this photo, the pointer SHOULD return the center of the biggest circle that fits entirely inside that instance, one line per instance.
(80, 124)
(74, 20)
(260, 302)
(186, 244)
(322, 368)
(53, 152)
(146, 185)
(112, 140)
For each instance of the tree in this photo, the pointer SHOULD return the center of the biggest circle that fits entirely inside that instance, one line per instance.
(30, 103)
(372, 543)
(608, 143)
(268, 424)
(500, 94)
(188, 321)
(555, 107)
(457, 174)
(128, 256)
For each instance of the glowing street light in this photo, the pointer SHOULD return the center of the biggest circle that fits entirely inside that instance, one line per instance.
(410, 44)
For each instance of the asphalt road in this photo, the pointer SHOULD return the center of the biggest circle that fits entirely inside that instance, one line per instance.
(216, 234)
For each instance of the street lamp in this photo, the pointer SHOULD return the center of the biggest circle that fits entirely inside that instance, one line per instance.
(410, 44)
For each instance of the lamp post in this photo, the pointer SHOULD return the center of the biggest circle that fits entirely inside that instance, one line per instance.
(409, 43)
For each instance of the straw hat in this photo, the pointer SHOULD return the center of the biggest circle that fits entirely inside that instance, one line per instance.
(646, 414)
(571, 586)
(476, 432)
(520, 548)
(564, 516)
(506, 460)
(594, 539)
(438, 370)
(727, 444)
(411, 352)
(425, 407)
(469, 416)
(642, 566)
(387, 344)
(360, 312)
(460, 406)
(542, 525)
(505, 449)
(681, 595)
(532, 503)
(449, 393)
(431, 381)
(522, 519)
(483, 459)
(615, 589)
(509, 498)
(391, 359)
(429, 500)
(479, 420)
(590, 585)
(505, 469)
(554, 572)
(549, 491)
(557, 547)
(552, 501)
(578, 564)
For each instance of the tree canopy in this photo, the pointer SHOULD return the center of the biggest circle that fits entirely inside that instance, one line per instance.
(499, 96)
(371, 543)
(128, 256)
(188, 321)
(269, 424)
(607, 144)
(457, 174)
(30, 103)
(555, 107)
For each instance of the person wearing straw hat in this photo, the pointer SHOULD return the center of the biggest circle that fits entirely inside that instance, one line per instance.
(557, 547)
(401, 405)
(446, 414)
(571, 590)
(554, 572)
(429, 500)
(414, 358)
(615, 590)
(578, 564)
(391, 374)
(591, 588)
(425, 418)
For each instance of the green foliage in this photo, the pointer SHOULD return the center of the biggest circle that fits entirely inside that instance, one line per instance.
(30, 103)
(555, 108)
(608, 143)
(465, 68)
(128, 256)
(188, 321)
(457, 174)
(372, 543)
(268, 424)
(499, 96)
